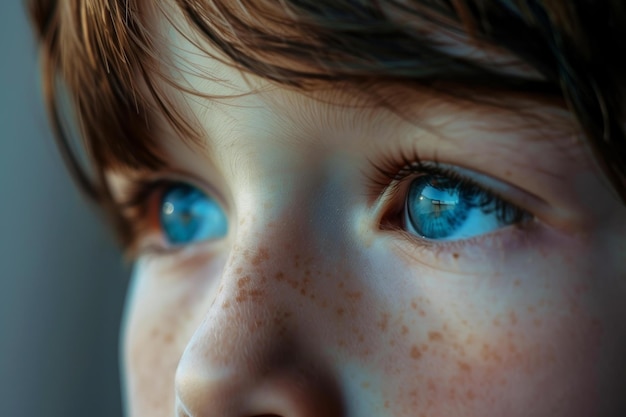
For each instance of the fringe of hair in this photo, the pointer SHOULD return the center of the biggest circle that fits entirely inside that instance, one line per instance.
(107, 55)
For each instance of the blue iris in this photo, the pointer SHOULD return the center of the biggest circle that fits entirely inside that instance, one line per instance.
(188, 215)
(441, 208)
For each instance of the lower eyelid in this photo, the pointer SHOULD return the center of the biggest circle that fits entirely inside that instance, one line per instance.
(472, 255)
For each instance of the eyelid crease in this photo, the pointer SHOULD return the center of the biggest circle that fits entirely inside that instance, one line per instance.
(394, 168)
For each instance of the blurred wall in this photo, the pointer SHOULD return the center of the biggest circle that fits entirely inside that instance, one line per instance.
(62, 281)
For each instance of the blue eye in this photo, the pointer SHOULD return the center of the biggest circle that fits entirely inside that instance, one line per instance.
(188, 215)
(444, 208)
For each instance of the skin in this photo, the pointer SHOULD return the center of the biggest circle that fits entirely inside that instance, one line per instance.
(314, 305)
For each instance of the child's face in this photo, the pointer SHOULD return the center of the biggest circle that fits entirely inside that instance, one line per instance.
(321, 298)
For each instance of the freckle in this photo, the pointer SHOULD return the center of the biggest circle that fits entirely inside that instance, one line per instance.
(465, 367)
(422, 313)
(405, 330)
(256, 293)
(168, 338)
(340, 284)
(354, 295)
(435, 336)
(342, 343)
(303, 291)
(471, 395)
(361, 338)
(340, 311)
(226, 304)
(517, 282)
(384, 322)
(261, 256)
(242, 282)
(392, 342)
(279, 276)
(415, 352)
(413, 305)
(455, 255)
(513, 317)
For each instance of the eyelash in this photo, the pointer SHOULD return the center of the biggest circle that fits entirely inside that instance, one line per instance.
(136, 209)
(391, 173)
(396, 170)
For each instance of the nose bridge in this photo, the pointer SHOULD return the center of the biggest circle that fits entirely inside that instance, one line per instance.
(248, 308)
(244, 358)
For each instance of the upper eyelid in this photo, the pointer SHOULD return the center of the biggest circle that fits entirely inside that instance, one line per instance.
(163, 179)
(399, 178)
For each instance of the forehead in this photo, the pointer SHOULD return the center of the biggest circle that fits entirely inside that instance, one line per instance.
(207, 79)
(192, 75)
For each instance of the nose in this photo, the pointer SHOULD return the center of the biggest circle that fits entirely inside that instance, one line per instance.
(251, 355)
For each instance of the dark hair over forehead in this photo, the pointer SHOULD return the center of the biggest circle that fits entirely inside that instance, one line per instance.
(107, 55)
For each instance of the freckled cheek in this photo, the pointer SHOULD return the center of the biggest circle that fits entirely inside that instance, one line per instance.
(547, 359)
(492, 348)
(155, 335)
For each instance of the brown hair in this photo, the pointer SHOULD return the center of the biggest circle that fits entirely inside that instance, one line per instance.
(100, 51)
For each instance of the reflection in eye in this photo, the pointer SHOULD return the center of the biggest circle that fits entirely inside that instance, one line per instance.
(442, 208)
(188, 215)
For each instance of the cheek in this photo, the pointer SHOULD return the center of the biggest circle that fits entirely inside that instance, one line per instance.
(162, 312)
(530, 337)
(153, 344)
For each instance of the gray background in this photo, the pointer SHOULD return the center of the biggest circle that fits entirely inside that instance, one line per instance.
(62, 280)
